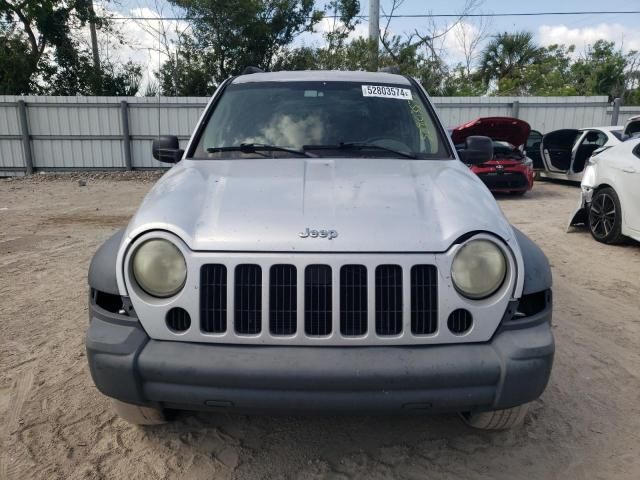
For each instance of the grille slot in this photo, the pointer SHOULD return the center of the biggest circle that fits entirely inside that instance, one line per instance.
(317, 300)
(282, 300)
(178, 320)
(213, 298)
(353, 300)
(248, 299)
(388, 299)
(460, 321)
(424, 299)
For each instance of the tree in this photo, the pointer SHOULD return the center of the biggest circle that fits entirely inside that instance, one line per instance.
(43, 51)
(338, 53)
(233, 34)
(600, 71)
(421, 53)
(15, 66)
(188, 71)
(45, 27)
(505, 59)
(551, 73)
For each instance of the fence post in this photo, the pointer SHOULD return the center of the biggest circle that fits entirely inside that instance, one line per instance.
(26, 137)
(615, 114)
(515, 108)
(126, 137)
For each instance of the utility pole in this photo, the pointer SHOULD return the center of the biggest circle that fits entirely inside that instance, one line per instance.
(374, 32)
(97, 71)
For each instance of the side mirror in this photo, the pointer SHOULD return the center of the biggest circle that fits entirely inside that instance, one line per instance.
(166, 148)
(477, 149)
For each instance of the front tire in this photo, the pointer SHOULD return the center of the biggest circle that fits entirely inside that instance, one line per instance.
(605, 216)
(137, 415)
(497, 419)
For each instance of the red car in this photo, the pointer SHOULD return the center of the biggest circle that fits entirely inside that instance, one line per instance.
(510, 171)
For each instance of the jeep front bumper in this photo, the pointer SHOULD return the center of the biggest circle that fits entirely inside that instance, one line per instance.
(511, 369)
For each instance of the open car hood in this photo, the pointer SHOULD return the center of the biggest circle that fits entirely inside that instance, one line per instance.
(504, 129)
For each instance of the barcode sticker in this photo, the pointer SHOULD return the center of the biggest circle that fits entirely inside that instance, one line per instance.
(383, 91)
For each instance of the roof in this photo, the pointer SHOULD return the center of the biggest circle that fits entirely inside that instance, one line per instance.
(323, 76)
(608, 128)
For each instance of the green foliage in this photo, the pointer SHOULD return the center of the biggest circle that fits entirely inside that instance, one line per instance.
(44, 55)
(548, 74)
(16, 67)
(461, 84)
(121, 80)
(506, 59)
(188, 72)
(512, 64)
(233, 34)
(601, 71)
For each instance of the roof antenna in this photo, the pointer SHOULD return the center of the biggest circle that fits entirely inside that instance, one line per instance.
(250, 70)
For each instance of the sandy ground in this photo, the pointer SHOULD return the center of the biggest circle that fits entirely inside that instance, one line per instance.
(55, 424)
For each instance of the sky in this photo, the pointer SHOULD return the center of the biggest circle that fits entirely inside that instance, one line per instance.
(579, 30)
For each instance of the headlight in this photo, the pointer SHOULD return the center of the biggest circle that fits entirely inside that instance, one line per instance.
(159, 268)
(478, 269)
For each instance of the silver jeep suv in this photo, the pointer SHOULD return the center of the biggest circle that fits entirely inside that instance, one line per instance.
(321, 246)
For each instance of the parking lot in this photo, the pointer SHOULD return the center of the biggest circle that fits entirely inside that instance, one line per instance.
(55, 424)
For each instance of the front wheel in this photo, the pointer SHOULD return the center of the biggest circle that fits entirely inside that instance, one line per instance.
(605, 216)
(497, 419)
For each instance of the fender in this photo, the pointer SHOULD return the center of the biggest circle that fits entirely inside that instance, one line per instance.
(537, 272)
(102, 271)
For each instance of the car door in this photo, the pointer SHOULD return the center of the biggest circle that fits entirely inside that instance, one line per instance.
(630, 191)
(532, 149)
(591, 141)
(557, 149)
(632, 127)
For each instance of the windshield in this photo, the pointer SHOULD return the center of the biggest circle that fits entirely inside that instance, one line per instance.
(320, 119)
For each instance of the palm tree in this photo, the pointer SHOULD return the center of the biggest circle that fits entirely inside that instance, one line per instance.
(507, 54)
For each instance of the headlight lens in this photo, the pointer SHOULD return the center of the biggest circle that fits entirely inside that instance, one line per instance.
(159, 268)
(478, 269)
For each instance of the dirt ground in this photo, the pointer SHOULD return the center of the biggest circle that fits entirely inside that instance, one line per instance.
(55, 424)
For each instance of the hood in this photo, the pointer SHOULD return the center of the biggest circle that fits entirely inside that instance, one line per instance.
(504, 129)
(372, 205)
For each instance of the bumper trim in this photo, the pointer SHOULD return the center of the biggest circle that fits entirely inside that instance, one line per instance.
(510, 370)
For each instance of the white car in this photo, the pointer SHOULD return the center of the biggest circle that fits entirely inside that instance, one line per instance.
(565, 152)
(610, 200)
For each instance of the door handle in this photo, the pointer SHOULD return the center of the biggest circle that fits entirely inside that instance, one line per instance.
(629, 170)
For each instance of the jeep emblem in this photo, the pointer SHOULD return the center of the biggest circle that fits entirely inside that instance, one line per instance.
(330, 234)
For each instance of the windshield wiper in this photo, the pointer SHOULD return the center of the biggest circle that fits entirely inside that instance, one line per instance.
(359, 146)
(256, 148)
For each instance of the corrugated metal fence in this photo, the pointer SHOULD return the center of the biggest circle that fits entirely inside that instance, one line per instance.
(73, 133)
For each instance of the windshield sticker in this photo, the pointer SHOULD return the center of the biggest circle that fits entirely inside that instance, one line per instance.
(418, 118)
(386, 92)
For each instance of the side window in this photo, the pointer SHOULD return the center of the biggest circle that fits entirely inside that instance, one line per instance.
(636, 151)
(534, 140)
(595, 138)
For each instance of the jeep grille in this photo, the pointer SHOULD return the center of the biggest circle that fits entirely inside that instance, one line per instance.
(323, 290)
